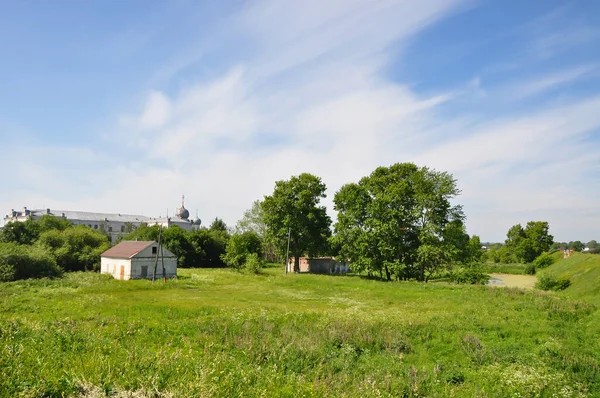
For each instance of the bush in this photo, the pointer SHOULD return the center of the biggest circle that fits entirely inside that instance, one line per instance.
(529, 269)
(543, 260)
(240, 248)
(253, 263)
(24, 262)
(469, 275)
(549, 282)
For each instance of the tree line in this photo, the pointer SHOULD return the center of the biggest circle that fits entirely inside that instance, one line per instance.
(399, 222)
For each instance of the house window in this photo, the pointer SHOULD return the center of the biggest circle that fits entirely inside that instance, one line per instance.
(122, 228)
(109, 229)
(95, 226)
(153, 249)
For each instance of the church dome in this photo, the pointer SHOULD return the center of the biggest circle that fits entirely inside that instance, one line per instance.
(197, 221)
(182, 212)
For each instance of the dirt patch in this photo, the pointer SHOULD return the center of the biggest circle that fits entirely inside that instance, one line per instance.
(508, 280)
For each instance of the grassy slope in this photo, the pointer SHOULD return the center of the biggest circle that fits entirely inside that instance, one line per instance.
(584, 272)
(218, 333)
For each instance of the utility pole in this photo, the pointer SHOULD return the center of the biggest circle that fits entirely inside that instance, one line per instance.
(157, 253)
(287, 254)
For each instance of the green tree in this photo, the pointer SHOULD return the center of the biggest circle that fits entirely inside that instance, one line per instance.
(22, 233)
(526, 244)
(577, 246)
(75, 249)
(177, 240)
(385, 217)
(239, 247)
(253, 220)
(592, 244)
(294, 207)
(218, 225)
(24, 262)
(209, 246)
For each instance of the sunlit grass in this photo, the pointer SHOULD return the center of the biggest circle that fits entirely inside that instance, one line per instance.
(223, 333)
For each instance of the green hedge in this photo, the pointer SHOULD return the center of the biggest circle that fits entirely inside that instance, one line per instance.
(24, 262)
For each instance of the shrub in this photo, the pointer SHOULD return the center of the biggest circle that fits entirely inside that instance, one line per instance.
(543, 260)
(529, 269)
(253, 263)
(240, 247)
(471, 274)
(549, 282)
(24, 262)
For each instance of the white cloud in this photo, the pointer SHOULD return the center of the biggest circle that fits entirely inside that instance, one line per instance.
(307, 94)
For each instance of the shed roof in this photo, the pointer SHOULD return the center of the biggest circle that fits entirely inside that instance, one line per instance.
(127, 249)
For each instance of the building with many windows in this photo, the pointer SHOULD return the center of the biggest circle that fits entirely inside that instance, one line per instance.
(114, 224)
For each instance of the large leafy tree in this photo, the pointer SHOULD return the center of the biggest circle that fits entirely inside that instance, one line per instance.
(294, 206)
(528, 243)
(387, 216)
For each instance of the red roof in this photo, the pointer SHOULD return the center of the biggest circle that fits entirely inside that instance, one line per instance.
(127, 249)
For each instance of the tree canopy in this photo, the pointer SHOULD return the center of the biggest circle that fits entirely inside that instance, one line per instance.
(399, 221)
(294, 207)
(526, 244)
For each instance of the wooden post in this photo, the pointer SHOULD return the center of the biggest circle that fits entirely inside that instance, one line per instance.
(156, 260)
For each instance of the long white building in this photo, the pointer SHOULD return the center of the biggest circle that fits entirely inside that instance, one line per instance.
(114, 225)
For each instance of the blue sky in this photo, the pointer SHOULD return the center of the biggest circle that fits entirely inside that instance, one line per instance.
(124, 106)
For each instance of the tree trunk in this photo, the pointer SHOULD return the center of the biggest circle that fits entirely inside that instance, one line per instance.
(296, 263)
(388, 274)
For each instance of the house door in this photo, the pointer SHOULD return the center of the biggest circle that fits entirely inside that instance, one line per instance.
(144, 271)
(122, 272)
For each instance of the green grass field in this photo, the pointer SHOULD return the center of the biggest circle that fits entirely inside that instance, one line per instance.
(221, 333)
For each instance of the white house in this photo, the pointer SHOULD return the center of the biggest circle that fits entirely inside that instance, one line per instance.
(136, 260)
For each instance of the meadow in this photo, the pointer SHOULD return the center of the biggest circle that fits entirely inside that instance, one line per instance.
(216, 332)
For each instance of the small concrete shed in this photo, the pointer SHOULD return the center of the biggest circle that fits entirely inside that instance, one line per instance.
(136, 259)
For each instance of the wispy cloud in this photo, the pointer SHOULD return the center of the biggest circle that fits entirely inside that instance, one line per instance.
(305, 87)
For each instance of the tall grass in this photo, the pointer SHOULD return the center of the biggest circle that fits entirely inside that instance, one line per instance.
(221, 333)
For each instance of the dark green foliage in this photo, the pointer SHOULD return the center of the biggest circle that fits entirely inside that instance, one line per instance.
(529, 269)
(550, 282)
(177, 240)
(240, 246)
(399, 222)
(294, 207)
(209, 246)
(24, 262)
(22, 233)
(527, 244)
(218, 225)
(75, 249)
(199, 248)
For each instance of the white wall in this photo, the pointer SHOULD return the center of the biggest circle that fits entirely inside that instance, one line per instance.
(112, 266)
(145, 258)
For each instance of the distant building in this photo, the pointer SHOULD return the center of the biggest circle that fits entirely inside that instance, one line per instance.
(115, 225)
(319, 265)
(136, 260)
